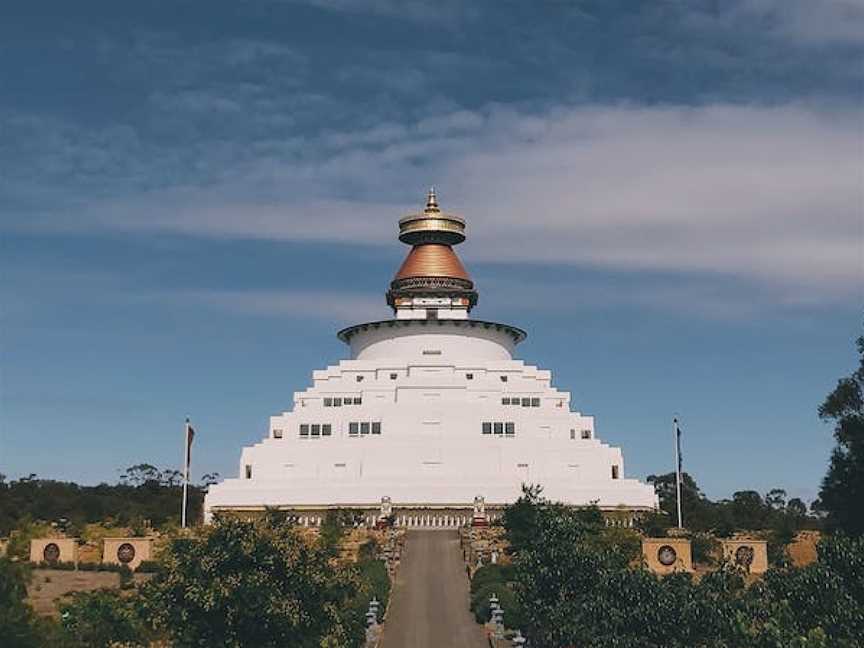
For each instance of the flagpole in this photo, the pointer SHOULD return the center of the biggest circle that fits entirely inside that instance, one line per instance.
(185, 473)
(677, 432)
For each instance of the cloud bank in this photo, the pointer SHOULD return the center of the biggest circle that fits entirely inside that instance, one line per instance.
(770, 194)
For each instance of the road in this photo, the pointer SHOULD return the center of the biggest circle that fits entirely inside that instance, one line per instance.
(429, 604)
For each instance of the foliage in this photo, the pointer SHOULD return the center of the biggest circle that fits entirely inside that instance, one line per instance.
(244, 583)
(333, 529)
(843, 486)
(497, 580)
(18, 627)
(19, 539)
(574, 592)
(144, 493)
(102, 618)
(491, 574)
(654, 524)
(704, 548)
(777, 518)
(520, 518)
(373, 581)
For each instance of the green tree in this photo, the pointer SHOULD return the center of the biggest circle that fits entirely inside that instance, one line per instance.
(520, 518)
(245, 583)
(102, 618)
(696, 509)
(843, 486)
(18, 624)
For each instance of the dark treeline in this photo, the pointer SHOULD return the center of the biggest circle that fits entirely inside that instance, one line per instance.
(144, 496)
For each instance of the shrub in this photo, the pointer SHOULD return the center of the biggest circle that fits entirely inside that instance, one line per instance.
(491, 574)
(102, 618)
(148, 567)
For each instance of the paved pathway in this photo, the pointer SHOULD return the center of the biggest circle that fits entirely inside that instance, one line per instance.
(429, 606)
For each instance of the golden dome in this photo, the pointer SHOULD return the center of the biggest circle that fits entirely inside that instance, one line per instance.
(432, 260)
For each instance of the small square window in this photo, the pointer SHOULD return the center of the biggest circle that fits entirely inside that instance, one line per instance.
(510, 429)
(359, 378)
(376, 427)
(499, 428)
(353, 429)
(277, 434)
(304, 430)
(337, 402)
(364, 428)
(316, 430)
(487, 428)
(394, 376)
(358, 401)
(526, 402)
(326, 430)
(469, 376)
(505, 401)
(614, 472)
(503, 378)
(514, 401)
(586, 434)
(248, 471)
(328, 402)
(535, 402)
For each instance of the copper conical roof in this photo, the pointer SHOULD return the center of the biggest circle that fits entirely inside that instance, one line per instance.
(432, 260)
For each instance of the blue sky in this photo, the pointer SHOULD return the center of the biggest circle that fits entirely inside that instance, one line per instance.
(194, 197)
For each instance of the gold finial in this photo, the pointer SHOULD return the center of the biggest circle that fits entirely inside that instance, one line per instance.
(431, 201)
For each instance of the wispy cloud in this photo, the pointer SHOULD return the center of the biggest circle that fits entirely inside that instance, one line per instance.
(770, 194)
(329, 306)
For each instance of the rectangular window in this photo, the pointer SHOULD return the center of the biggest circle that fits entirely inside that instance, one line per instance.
(326, 430)
(304, 430)
(573, 434)
(586, 434)
(469, 376)
(487, 428)
(277, 434)
(510, 429)
(505, 401)
(499, 428)
(514, 401)
(394, 376)
(431, 352)
(359, 378)
(376, 427)
(526, 402)
(614, 472)
(248, 471)
(337, 402)
(316, 430)
(364, 428)
(358, 401)
(328, 402)
(503, 378)
(353, 429)
(535, 402)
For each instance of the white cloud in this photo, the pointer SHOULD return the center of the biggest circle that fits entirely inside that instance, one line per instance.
(770, 194)
(811, 21)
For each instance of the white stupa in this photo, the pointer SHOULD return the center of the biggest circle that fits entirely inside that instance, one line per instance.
(431, 420)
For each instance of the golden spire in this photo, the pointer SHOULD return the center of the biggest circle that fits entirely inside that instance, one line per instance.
(431, 202)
